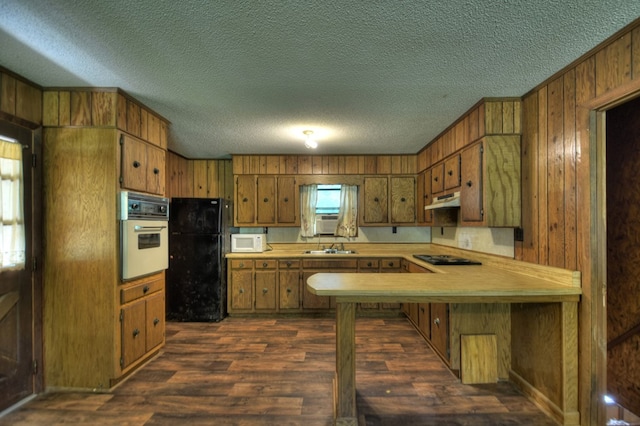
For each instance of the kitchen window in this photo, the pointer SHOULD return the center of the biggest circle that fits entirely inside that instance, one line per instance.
(337, 201)
(12, 237)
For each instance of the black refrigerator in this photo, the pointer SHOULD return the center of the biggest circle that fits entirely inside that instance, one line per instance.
(196, 281)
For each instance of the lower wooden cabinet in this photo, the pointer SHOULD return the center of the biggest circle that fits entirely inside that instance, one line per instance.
(141, 320)
(259, 285)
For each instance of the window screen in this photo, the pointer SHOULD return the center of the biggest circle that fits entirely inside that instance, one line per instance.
(328, 199)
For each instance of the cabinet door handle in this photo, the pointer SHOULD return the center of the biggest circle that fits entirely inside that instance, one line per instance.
(136, 332)
(435, 178)
(264, 264)
(403, 199)
(245, 199)
(156, 321)
(288, 264)
(156, 171)
(391, 264)
(289, 290)
(450, 172)
(266, 200)
(286, 199)
(145, 289)
(437, 322)
(136, 164)
(369, 264)
(469, 183)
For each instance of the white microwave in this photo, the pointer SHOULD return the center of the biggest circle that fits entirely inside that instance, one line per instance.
(248, 243)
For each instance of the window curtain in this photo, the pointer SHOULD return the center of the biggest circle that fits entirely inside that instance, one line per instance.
(12, 236)
(308, 201)
(347, 216)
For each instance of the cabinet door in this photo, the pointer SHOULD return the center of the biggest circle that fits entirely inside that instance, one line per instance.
(471, 202)
(245, 201)
(265, 290)
(452, 172)
(133, 319)
(266, 201)
(155, 320)
(375, 209)
(289, 286)
(424, 198)
(440, 328)
(437, 179)
(424, 319)
(403, 200)
(241, 290)
(287, 209)
(156, 170)
(134, 163)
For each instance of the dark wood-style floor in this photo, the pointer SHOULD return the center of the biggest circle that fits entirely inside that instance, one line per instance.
(279, 372)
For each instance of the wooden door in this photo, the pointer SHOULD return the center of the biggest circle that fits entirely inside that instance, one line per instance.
(287, 197)
(134, 163)
(403, 200)
(241, 294)
(471, 202)
(20, 329)
(134, 342)
(440, 328)
(437, 179)
(265, 290)
(289, 284)
(452, 173)
(245, 201)
(155, 320)
(155, 170)
(375, 209)
(266, 200)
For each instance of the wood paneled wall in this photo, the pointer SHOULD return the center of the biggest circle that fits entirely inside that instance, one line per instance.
(557, 204)
(20, 100)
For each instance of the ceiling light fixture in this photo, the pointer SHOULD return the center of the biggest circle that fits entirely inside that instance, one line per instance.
(309, 143)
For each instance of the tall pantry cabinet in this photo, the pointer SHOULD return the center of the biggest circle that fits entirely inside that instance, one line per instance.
(97, 142)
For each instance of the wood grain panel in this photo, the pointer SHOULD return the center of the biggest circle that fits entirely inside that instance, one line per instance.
(613, 65)
(122, 112)
(370, 164)
(493, 117)
(200, 178)
(8, 94)
(144, 124)
(28, 102)
(65, 108)
(80, 108)
(543, 217)
(530, 177)
(569, 132)
(385, 164)
(50, 108)
(215, 179)
(305, 165)
(273, 164)
(103, 108)
(133, 118)
(555, 173)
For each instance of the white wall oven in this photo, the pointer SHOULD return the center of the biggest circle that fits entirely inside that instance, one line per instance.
(144, 235)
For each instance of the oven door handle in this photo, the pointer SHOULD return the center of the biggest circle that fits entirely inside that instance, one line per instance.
(139, 228)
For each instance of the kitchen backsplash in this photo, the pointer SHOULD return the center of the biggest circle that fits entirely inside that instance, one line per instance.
(497, 241)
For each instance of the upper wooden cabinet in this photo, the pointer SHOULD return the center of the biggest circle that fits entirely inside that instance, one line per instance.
(143, 166)
(403, 199)
(437, 178)
(266, 200)
(374, 205)
(452, 172)
(490, 191)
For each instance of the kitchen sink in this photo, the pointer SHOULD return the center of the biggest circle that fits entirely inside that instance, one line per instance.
(329, 251)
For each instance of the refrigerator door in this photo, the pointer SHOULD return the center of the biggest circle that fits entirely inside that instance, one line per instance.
(196, 215)
(196, 289)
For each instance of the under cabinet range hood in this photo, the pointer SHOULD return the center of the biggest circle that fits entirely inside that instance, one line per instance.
(445, 201)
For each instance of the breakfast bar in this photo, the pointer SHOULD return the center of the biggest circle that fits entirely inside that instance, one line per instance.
(511, 282)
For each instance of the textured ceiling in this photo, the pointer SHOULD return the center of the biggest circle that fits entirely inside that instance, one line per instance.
(241, 76)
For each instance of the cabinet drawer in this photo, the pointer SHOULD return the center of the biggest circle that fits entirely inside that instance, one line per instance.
(139, 290)
(266, 264)
(289, 264)
(390, 263)
(368, 264)
(241, 264)
(329, 264)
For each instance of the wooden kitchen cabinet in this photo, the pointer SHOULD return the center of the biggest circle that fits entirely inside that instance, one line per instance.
(368, 266)
(266, 200)
(310, 301)
(143, 166)
(86, 344)
(437, 179)
(288, 201)
(439, 323)
(490, 194)
(403, 200)
(374, 203)
(265, 285)
(452, 173)
(240, 285)
(424, 198)
(245, 200)
(289, 284)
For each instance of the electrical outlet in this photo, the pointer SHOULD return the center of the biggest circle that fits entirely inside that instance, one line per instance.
(518, 234)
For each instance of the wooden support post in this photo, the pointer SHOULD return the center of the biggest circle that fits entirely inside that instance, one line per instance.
(345, 387)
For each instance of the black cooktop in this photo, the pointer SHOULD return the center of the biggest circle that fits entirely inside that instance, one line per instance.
(444, 259)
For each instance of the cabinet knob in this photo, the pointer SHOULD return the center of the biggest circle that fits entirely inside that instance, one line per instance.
(390, 263)
(264, 291)
(435, 178)
(376, 199)
(245, 199)
(469, 183)
(422, 309)
(403, 199)
(136, 164)
(156, 171)
(156, 321)
(289, 290)
(286, 199)
(242, 264)
(241, 291)
(136, 332)
(437, 322)
(264, 264)
(450, 172)
(266, 200)
(145, 289)
(289, 264)
(369, 264)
